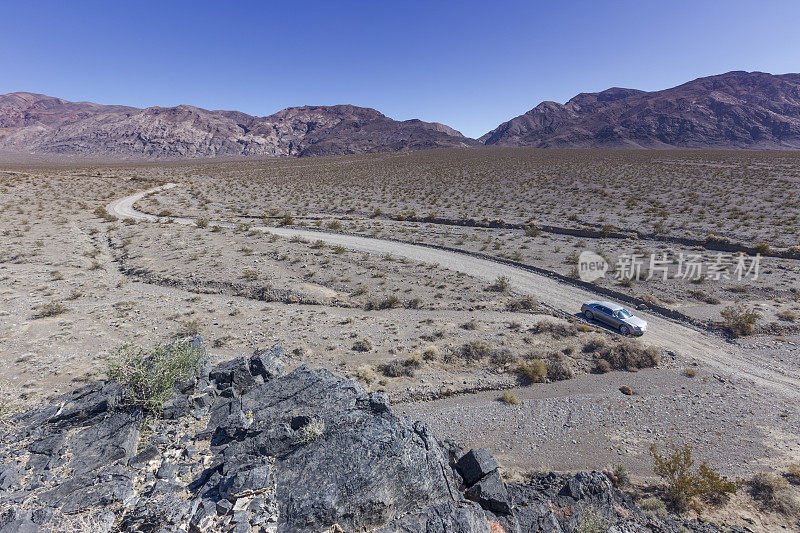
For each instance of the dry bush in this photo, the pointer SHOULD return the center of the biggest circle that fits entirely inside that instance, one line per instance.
(501, 284)
(527, 303)
(558, 368)
(739, 321)
(534, 371)
(788, 315)
(510, 398)
(775, 493)
(629, 354)
(362, 345)
(396, 368)
(502, 357)
(475, 350)
(793, 473)
(51, 309)
(557, 329)
(365, 374)
(389, 302)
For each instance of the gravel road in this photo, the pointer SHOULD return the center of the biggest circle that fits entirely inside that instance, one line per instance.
(682, 339)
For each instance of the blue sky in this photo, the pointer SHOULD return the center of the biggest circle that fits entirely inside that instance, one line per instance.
(471, 65)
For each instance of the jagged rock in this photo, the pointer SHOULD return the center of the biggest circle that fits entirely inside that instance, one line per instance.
(366, 464)
(304, 451)
(475, 465)
(450, 517)
(490, 492)
(268, 363)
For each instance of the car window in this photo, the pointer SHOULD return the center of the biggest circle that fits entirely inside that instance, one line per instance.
(624, 313)
(605, 310)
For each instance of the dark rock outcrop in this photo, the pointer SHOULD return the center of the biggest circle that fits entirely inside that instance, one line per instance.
(303, 451)
(734, 110)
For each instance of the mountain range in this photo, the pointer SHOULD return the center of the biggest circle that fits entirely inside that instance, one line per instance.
(736, 110)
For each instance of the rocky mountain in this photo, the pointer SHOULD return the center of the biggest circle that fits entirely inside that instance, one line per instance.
(246, 447)
(38, 124)
(734, 110)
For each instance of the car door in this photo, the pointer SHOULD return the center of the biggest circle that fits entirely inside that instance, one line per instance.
(605, 315)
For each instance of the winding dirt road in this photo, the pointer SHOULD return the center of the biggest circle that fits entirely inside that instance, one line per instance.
(665, 333)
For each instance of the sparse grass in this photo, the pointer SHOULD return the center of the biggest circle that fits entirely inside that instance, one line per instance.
(510, 398)
(51, 309)
(788, 315)
(312, 431)
(366, 374)
(151, 375)
(654, 506)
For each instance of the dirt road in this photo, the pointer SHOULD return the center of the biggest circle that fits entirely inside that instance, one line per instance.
(710, 349)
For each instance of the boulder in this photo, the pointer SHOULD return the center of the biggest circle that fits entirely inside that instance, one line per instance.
(475, 465)
(490, 492)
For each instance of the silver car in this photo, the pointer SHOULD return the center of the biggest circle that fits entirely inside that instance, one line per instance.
(615, 316)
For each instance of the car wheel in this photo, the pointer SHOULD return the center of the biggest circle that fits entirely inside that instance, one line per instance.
(624, 330)
(588, 315)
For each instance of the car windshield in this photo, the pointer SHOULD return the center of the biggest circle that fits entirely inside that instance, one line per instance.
(624, 313)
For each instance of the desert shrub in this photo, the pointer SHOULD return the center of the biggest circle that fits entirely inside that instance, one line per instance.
(471, 325)
(532, 231)
(502, 358)
(527, 303)
(738, 320)
(763, 248)
(202, 223)
(150, 376)
(602, 366)
(362, 345)
(775, 493)
(534, 371)
(189, 328)
(475, 350)
(334, 225)
(389, 302)
(286, 220)
(689, 372)
(51, 309)
(556, 329)
(626, 390)
(501, 284)
(313, 430)
(685, 484)
(430, 353)
(788, 315)
(558, 368)
(592, 521)
(250, 274)
(365, 374)
(793, 473)
(396, 369)
(595, 343)
(510, 398)
(654, 506)
(629, 354)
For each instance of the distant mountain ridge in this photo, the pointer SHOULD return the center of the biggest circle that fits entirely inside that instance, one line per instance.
(39, 124)
(734, 110)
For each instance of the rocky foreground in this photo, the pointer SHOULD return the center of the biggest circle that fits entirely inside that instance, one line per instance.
(247, 447)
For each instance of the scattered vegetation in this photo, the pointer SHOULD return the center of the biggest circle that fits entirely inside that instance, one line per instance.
(739, 321)
(510, 398)
(151, 375)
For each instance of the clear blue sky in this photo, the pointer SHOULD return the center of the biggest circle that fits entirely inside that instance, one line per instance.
(468, 64)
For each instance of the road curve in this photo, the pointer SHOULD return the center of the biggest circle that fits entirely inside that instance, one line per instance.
(663, 332)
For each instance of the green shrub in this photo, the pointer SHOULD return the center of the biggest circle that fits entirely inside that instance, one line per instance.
(654, 506)
(592, 521)
(685, 484)
(150, 376)
(739, 321)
